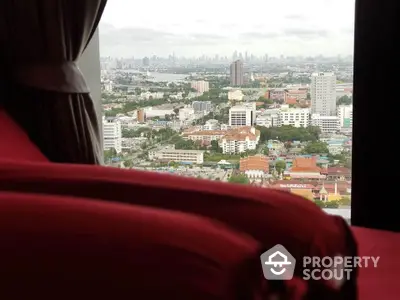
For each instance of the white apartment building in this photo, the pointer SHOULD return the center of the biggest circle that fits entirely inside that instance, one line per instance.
(205, 135)
(151, 112)
(200, 86)
(296, 117)
(211, 125)
(186, 113)
(148, 95)
(109, 86)
(112, 134)
(240, 140)
(185, 156)
(327, 124)
(323, 94)
(267, 121)
(242, 115)
(268, 118)
(345, 115)
(235, 95)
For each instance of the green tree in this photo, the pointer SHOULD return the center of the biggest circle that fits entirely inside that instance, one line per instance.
(185, 144)
(320, 203)
(128, 163)
(265, 151)
(265, 100)
(314, 131)
(110, 154)
(280, 166)
(316, 147)
(289, 133)
(345, 201)
(344, 100)
(215, 147)
(239, 179)
(332, 204)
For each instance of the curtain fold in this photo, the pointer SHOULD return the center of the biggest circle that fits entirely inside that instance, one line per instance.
(41, 42)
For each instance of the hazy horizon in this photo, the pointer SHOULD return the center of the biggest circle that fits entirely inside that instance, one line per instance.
(288, 27)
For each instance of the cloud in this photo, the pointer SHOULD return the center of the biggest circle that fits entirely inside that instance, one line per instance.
(296, 17)
(306, 34)
(258, 35)
(349, 31)
(111, 36)
(140, 41)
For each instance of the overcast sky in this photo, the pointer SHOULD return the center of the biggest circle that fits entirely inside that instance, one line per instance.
(193, 28)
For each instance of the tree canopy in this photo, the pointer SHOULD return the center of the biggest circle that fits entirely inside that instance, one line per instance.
(344, 100)
(327, 204)
(289, 133)
(280, 166)
(316, 147)
(239, 179)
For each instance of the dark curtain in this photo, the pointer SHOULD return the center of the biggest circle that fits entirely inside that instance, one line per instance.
(40, 44)
(376, 115)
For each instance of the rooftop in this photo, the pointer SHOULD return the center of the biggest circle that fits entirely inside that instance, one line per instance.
(256, 162)
(304, 164)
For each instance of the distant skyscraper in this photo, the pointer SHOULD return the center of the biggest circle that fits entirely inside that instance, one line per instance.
(237, 73)
(146, 62)
(141, 116)
(235, 56)
(323, 94)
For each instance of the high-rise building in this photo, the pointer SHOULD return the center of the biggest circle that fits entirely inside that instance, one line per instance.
(112, 134)
(141, 116)
(242, 115)
(146, 62)
(200, 86)
(323, 94)
(345, 115)
(327, 124)
(202, 106)
(296, 117)
(237, 73)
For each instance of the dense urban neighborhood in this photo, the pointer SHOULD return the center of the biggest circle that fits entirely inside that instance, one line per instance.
(282, 123)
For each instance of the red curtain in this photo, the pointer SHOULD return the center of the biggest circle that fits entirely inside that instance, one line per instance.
(41, 42)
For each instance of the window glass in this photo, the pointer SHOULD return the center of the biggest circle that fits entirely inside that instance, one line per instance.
(258, 95)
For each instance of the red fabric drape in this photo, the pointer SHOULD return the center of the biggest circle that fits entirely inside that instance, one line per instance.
(41, 43)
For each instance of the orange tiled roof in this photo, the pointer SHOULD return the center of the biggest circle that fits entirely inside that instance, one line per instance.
(298, 92)
(339, 171)
(241, 134)
(256, 162)
(240, 137)
(207, 132)
(304, 164)
(291, 100)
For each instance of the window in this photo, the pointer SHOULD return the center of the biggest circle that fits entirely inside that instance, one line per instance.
(209, 95)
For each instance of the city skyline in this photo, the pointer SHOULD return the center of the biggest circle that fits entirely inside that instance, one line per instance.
(289, 28)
